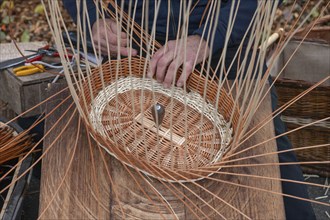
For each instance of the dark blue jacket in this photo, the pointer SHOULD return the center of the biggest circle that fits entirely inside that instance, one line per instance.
(244, 15)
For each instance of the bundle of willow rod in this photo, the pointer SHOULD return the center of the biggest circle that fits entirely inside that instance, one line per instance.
(116, 106)
(206, 123)
(173, 146)
(11, 146)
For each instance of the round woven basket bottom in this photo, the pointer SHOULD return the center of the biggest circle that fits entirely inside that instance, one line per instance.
(192, 134)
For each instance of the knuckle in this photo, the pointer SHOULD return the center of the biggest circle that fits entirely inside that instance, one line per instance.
(156, 55)
(172, 68)
(169, 78)
(112, 40)
(162, 62)
(159, 74)
(112, 48)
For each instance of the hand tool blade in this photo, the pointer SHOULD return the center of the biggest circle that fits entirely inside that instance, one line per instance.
(14, 62)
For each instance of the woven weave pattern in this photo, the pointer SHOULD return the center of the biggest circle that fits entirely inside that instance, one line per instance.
(194, 132)
(134, 127)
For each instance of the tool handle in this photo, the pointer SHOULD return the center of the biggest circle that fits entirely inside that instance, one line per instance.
(28, 70)
(36, 58)
(272, 39)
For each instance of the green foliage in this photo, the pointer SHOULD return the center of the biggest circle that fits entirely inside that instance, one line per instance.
(315, 13)
(39, 9)
(2, 36)
(7, 19)
(25, 37)
(7, 4)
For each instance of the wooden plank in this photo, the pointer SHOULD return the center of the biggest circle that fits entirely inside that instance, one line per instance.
(88, 191)
(9, 51)
(36, 78)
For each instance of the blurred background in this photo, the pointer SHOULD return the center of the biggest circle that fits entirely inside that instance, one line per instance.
(25, 20)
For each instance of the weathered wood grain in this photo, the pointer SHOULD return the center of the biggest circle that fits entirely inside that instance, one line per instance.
(23, 93)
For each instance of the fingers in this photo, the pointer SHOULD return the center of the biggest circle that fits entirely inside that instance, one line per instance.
(153, 62)
(113, 28)
(114, 32)
(106, 36)
(124, 51)
(164, 65)
(171, 72)
(189, 66)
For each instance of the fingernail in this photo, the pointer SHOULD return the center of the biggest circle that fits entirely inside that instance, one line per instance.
(179, 84)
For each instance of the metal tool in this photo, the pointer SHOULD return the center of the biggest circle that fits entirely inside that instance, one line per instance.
(39, 54)
(20, 60)
(48, 51)
(16, 61)
(158, 112)
(28, 70)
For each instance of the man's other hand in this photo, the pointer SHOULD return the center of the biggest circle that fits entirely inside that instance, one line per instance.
(166, 61)
(105, 36)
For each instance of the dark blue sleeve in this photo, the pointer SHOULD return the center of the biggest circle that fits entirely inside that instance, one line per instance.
(246, 10)
(71, 7)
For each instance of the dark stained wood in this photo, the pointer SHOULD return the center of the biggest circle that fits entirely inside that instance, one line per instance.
(87, 191)
(5, 111)
(23, 93)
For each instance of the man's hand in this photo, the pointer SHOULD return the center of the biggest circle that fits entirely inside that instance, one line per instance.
(107, 33)
(165, 62)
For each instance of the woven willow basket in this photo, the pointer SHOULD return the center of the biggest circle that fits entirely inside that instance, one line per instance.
(120, 120)
(309, 65)
(312, 107)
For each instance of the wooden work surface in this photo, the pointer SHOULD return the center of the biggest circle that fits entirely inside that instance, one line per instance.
(75, 183)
